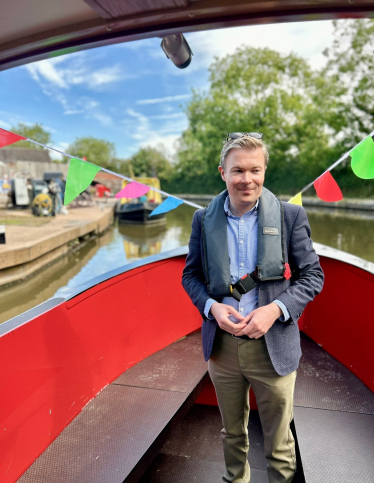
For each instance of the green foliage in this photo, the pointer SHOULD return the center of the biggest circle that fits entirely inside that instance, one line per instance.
(150, 162)
(351, 59)
(309, 118)
(35, 132)
(264, 91)
(95, 151)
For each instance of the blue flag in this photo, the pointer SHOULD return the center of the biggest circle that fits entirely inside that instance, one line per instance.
(169, 204)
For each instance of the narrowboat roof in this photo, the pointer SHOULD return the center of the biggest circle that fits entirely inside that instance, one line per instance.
(41, 29)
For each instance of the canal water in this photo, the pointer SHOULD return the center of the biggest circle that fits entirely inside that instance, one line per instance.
(352, 232)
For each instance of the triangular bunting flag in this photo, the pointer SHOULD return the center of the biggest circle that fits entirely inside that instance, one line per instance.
(7, 137)
(133, 190)
(169, 204)
(327, 188)
(296, 200)
(363, 159)
(80, 175)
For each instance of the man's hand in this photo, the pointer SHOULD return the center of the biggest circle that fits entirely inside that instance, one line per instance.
(221, 313)
(259, 321)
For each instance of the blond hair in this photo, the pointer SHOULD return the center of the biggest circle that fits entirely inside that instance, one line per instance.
(245, 142)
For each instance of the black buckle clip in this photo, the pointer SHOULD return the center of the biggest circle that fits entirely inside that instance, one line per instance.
(244, 285)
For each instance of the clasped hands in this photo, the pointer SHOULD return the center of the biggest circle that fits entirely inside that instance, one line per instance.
(254, 325)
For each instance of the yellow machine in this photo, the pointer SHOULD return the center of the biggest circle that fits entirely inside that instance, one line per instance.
(42, 205)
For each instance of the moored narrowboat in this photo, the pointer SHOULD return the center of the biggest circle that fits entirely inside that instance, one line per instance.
(137, 211)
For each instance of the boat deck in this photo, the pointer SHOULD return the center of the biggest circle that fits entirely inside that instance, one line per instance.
(194, 451)
(334, 419)
(144, 426)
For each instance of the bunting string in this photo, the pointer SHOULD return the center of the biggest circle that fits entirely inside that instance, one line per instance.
(81, 173)
(353, 153)
(102, 169)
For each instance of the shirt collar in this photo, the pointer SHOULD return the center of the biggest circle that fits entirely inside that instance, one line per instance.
(226, 207)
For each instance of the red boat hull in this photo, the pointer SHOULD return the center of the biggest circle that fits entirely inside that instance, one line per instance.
(55, 363)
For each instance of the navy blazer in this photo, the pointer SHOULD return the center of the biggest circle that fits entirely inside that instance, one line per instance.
(283, 338)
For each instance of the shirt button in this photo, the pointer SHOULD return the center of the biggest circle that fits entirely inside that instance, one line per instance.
(242, 264)
(241, 242)
(241, 310)
(241, 221)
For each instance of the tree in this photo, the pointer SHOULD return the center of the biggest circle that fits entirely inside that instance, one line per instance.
(297, 109)
(150, 162)
(96, 151)
(350, 60)
(36, 132)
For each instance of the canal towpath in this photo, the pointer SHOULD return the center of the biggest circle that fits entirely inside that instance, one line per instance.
(31, 243)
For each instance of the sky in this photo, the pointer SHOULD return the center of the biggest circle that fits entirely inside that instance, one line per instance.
(130, 93)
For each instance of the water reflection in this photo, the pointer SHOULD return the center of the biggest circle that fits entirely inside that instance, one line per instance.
(140, 241)
(45, 283)
(352, 232)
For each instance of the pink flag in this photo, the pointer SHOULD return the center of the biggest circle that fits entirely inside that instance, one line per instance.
(7, 137)
(133, 190)
(327, 188)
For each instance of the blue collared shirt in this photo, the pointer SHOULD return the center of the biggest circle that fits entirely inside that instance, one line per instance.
(242, 245)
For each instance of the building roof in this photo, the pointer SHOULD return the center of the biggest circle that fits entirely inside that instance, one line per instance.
(12, 155)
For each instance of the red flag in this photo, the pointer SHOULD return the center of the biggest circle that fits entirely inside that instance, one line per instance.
(327, 188)
(7, 137)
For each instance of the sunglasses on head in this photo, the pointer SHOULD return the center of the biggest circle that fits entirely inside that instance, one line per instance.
(237, 135)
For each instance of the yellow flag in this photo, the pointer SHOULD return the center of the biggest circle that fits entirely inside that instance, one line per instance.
(296, 200)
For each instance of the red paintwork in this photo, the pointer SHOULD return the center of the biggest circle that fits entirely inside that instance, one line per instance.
(55, 364)
(341, 318)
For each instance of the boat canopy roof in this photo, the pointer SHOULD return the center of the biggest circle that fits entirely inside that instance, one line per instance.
(31, 31)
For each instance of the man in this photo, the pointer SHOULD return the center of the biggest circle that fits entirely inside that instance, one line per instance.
(244, 247)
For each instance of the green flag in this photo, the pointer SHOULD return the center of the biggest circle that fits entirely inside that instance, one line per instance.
(363, 159)
(80, 175)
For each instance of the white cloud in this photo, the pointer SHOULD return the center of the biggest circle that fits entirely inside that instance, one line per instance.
(95, 79)
(46, 70)
(68, 112)
(57, 78)
(84, 105)
(166, 144)
(161, 134)
(139, 129)
(160, 100)
(4, 124)
(103, 119)
(64, 72)
(61, 146)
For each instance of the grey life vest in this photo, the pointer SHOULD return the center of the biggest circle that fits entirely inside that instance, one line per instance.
(270, 249)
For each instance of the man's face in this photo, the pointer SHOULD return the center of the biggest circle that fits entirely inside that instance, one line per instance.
(244, 175)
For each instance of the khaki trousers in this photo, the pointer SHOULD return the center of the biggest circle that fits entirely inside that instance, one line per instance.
(234, 366)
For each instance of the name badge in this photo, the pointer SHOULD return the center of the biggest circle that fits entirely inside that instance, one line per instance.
(270, 231)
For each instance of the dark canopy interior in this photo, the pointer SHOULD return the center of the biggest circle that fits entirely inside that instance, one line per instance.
(41, 29)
